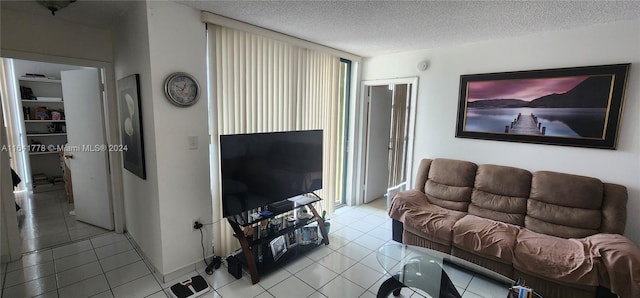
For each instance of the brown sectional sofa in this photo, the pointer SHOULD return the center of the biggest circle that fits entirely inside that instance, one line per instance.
(561, 233)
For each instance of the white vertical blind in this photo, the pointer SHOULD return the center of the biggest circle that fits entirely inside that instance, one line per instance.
(265, 85)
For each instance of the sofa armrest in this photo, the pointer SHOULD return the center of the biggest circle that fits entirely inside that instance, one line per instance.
(614, 209)
(422, 175)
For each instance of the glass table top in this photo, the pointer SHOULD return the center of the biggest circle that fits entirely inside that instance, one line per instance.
(428, 271)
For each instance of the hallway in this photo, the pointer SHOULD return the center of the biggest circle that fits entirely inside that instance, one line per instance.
(44, 221)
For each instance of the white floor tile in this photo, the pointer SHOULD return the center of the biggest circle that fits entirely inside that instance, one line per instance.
(487, 288)
(163, 294)
(386, 225)
(85, 288)
(240, 288)
(29, 273)
(367, 294)
(382, 234)
(316, 275)
(51, 294)
(113, 249)
(369, 241)
(376, 286)
(119, 260)
(335, 242)
(348, 233)
(458, 277)
(362, 275)
(140, 287)
(79, 273)
(32, 288)
(265, 294)
(337, 262)
(105, 294)
(354, 251)
(341, 287)
(344, 220)
(468, 294)
(317, 294)
(319, 253)
(219, 278)
(366, 225)
(106, 239)
(31, 259)
(71, 249)
(299, 264)
(75, 260)
(291, 287)
(127, 273)
(371, 261)
(269, 280)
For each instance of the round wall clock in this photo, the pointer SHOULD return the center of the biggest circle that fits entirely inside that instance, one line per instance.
(182, 89)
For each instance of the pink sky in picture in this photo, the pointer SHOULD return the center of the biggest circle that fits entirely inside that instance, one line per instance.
(523, 89)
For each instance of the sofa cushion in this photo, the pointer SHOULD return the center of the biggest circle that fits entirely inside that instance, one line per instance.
(434, 222)
(485, 237)
(565, 260)
(450, 183)
(500, 193)
(422, 218)
(564, 205)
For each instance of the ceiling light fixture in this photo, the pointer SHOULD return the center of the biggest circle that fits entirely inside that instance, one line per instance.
(54, 6)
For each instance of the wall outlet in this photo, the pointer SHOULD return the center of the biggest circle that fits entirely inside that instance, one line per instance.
(193, 223)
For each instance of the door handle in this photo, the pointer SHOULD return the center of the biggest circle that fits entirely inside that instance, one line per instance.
(68, 156)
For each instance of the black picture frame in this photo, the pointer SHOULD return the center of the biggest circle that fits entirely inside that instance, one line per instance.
(579, 106)
(131, 125)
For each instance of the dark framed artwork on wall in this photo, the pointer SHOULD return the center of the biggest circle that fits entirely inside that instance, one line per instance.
(131, 125)
(579, 106)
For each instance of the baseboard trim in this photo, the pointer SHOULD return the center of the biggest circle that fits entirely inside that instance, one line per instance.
(195, 266)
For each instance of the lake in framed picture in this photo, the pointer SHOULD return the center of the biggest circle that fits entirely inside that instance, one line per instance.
(578, 106)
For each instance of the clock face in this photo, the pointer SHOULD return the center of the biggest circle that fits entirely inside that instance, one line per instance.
(182, 89)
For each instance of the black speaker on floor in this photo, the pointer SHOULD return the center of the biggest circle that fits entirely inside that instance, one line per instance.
(234, 266)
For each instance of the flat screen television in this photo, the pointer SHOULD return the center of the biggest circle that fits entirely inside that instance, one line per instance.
(262, 168)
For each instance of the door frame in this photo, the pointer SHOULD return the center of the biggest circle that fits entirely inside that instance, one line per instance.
(360, 165)
(111, 125)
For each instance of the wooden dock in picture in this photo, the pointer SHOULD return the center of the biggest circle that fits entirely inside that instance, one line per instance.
(525, 125)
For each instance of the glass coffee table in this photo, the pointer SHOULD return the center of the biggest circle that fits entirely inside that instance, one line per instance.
(428, 271)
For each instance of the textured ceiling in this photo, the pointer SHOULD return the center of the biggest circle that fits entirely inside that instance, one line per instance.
(370, 28)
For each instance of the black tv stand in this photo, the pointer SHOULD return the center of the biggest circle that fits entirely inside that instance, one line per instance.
(254, 240)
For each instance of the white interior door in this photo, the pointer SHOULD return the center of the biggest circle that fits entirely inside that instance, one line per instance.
(87, 157)
(378, 135)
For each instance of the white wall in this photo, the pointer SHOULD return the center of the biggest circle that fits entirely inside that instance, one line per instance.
(142, 207)
(44, 35)
(438, 98)
(177, 39)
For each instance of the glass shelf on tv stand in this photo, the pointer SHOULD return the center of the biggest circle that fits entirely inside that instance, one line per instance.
(246, 219)
(252, 243)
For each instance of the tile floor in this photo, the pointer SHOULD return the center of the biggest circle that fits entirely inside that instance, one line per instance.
(44, 221)
(108, 266)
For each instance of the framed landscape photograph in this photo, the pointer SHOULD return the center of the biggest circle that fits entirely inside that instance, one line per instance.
(578, 106)
(131, 125)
